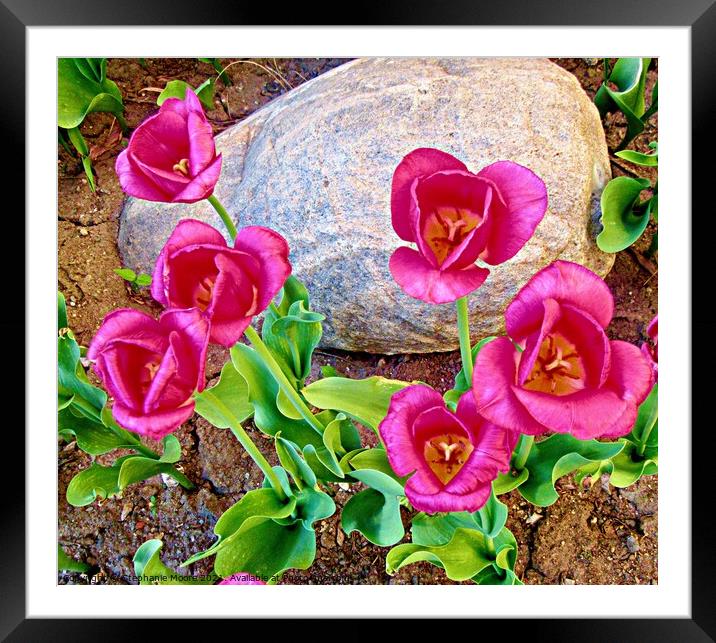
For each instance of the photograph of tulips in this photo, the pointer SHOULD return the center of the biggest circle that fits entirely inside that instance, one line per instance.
(357, 321)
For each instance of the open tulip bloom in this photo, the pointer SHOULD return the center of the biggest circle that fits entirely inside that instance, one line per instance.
(171, 156)
(229, 285)
(456, 217)
(454, 457)
(151, 367)
(568, 377)
(651, 351)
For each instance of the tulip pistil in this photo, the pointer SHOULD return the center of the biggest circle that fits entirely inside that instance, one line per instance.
(558, 369)
(182, 167)
(204, 290)
(446, 228)
(446, 455)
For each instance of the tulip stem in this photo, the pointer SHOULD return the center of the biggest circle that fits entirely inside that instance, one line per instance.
(247, 443)
(224, 215)
(282, 380)
(463, 329)
(524, 446)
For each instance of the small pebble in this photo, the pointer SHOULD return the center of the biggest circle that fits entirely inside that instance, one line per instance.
(140, 524)
(126, 510)
(83, 232)
(632, 545)
(534, 518)
(569, 581)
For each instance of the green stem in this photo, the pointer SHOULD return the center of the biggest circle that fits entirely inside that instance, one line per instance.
(282, 380)
(463, 329)
(524, 446)
(122, 122)
(491, 547)
(224, 215)
(248, 444)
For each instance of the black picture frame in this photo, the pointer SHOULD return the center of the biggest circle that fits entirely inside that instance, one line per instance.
(700, 15)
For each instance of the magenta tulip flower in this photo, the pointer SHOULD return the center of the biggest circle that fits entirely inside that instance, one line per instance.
(454, 457)
(171, 156)
(569, 377)
(651, 351)
(242, 578)
(456, 217)
(151, 367)
(229, 285)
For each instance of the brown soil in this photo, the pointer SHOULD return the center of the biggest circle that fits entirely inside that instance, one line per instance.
(597, 535)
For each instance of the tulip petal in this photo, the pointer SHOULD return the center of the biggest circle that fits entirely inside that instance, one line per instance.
(419, 279)
(630, 375)
(134, 182)
(195, 328)
(585, 414)
(125, 323)
(187, 232)
(156, 425)
(202, 185)
(166, 372)
(202, 149)
(493, 380)
(271, 250)
(396, 428)
(445, 501)
(525, 197)
(160, 142)
(420, 162)
(566, 282)
(533, 344)
(489, 439)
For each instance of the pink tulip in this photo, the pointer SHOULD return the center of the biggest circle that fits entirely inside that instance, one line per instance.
(569, 377)
(455, 456)
(171, 156)
(456, 217)
(242, 578)
(651, 351)
(151, 368)
(229, 285)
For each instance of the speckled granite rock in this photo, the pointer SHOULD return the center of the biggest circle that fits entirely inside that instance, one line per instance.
(316, 164)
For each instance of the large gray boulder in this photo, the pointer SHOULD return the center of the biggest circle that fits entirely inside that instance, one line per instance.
(316, 165)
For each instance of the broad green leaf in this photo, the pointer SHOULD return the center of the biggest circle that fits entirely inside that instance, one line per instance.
(71, 380)
(629, 75)
(138, 468)
(379, 481)
(463, 557)
(375, 515)
(78, 94)
(94, 482)
(623, 218)
(339, 437)
(491, 517)
(292, 331)
(292, 461)
(265, 548)
(67, 564)
(375, 458)
(262, 393)
(172, 449)
(639, 158)
(506, 482)
(259, 503)
(364, 400)
(92, 437)
(230, 392)
(126, 273)
(144, 280)
(177, 89)
(556, 456)
(150, 569)
(61, 312)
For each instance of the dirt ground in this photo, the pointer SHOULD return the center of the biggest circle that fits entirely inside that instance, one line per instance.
(591, 535)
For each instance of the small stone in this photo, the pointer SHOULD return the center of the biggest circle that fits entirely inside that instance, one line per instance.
(534, 518)
(344, 485)
(126, 510)
(83, 232)
(340, 537)
(168, 480)
(140, 524)
(632, 545)
(569, 581)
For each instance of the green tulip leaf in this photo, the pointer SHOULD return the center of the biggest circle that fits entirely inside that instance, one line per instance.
(262, 394)
(177, 89)
(92, 437)
(463, 557)
(556, 456)
(150, 570)
(639, 158)
(94, 482)
(291, 461)
(80, 91)
(623, 217)
(292, 331)
(67, 564)
(230, 392)
(375, 515)
(376, 459)
(366, 401)
(506, 482)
